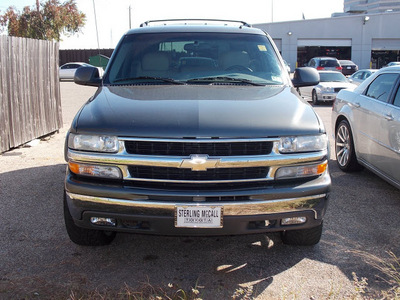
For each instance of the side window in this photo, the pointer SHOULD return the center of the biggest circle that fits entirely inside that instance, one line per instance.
(359, 75)
(396, 101)
(380, 88)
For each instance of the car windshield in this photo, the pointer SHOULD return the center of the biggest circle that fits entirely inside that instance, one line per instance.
(195, 58)
(332, 77)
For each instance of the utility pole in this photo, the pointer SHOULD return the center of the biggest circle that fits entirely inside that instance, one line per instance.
(130, 17)
(97, 32)
(272, 11)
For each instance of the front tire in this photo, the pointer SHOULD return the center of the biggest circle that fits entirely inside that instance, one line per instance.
(345, 154)
(314, 97)
(302, 237)
(83, 236)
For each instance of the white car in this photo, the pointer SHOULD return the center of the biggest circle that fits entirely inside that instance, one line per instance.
(331, 82)
(67, 71)
(361, 75)
(366, 123)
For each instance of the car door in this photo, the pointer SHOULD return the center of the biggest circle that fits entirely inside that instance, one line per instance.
(370, 119)
(390, 135)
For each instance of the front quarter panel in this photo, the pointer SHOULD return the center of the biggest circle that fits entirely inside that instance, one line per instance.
(343, 108)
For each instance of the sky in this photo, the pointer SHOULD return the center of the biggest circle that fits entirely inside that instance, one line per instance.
(113, 16)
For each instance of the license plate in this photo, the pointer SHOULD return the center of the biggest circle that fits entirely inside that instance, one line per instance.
(349, 68)
(199, 216)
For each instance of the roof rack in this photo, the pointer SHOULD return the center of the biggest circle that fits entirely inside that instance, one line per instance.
(194, 21)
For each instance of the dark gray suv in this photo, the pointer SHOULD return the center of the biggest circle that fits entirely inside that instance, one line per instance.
(196, 129)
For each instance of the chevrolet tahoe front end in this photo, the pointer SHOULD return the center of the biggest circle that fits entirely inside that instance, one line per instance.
(196, 155)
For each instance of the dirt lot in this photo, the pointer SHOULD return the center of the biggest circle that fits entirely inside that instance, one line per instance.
(38, 261)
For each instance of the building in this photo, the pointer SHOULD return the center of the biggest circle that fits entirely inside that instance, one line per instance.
(371, 6)
(370, 40)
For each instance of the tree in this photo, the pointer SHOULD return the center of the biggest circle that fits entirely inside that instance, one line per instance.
(46, 21)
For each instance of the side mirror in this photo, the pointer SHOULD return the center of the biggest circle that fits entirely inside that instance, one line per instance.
(305, 76)
(87, 76)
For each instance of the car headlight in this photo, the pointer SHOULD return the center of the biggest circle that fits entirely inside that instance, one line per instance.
(97, 143)
(311, 143)
(328, 89)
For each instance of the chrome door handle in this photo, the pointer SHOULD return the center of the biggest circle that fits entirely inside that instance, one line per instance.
(389, 117)
(356, 104)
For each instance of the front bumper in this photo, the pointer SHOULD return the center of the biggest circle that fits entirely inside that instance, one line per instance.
(152, 211)
(326, 96)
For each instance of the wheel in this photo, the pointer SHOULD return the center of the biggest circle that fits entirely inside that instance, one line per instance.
(83, 236)
(239, 68)
(302, 237)
(344, 146)
(315, 98)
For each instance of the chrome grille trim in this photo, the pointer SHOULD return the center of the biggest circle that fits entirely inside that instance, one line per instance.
(272, 161)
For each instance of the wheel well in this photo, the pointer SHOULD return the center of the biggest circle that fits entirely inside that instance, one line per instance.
(338, 120)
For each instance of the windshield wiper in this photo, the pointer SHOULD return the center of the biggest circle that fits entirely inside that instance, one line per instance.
(224, 78)
(168, 80)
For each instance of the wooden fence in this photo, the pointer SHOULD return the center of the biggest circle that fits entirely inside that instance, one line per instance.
(30, 101)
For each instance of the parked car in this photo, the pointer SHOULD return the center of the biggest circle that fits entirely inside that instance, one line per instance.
(348, 67)
(330, 83)
(195, 130)
(367, 126)
(361, 75)
(393, 63)
(325, 64)
(67, 71)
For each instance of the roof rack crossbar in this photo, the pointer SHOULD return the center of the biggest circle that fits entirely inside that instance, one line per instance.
(147, 23)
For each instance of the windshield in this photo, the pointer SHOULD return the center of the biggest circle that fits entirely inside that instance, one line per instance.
(195, 58)
(332, 77)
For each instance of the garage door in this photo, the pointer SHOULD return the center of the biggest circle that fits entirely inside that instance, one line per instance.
(324, 42)
(385, 44)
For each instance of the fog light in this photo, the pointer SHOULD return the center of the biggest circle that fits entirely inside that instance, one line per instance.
(103, 221)
(293, 221)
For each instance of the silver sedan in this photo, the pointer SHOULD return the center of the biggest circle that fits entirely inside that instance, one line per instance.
(67, 71)
(331, 82)
(361, 75)
(366, 123)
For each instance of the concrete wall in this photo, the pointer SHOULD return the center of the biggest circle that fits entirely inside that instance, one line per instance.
(380, 29)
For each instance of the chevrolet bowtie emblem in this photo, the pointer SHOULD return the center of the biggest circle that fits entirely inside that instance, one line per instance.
(199, 162)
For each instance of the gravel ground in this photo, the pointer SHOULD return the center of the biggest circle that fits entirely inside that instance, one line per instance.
(38, 261)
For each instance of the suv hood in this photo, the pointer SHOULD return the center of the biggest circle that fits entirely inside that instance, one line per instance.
(171, 111)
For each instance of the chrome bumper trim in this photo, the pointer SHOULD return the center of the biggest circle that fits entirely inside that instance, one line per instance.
(256, 206)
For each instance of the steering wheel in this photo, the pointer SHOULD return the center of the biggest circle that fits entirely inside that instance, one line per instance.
(238, 68)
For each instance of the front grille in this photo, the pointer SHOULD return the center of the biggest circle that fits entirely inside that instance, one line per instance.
(337, 90)
(188, 148)
(176, 174)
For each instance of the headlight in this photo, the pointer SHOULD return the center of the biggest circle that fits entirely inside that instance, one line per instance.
(327, 89)
(308, 143)
(97, 143)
